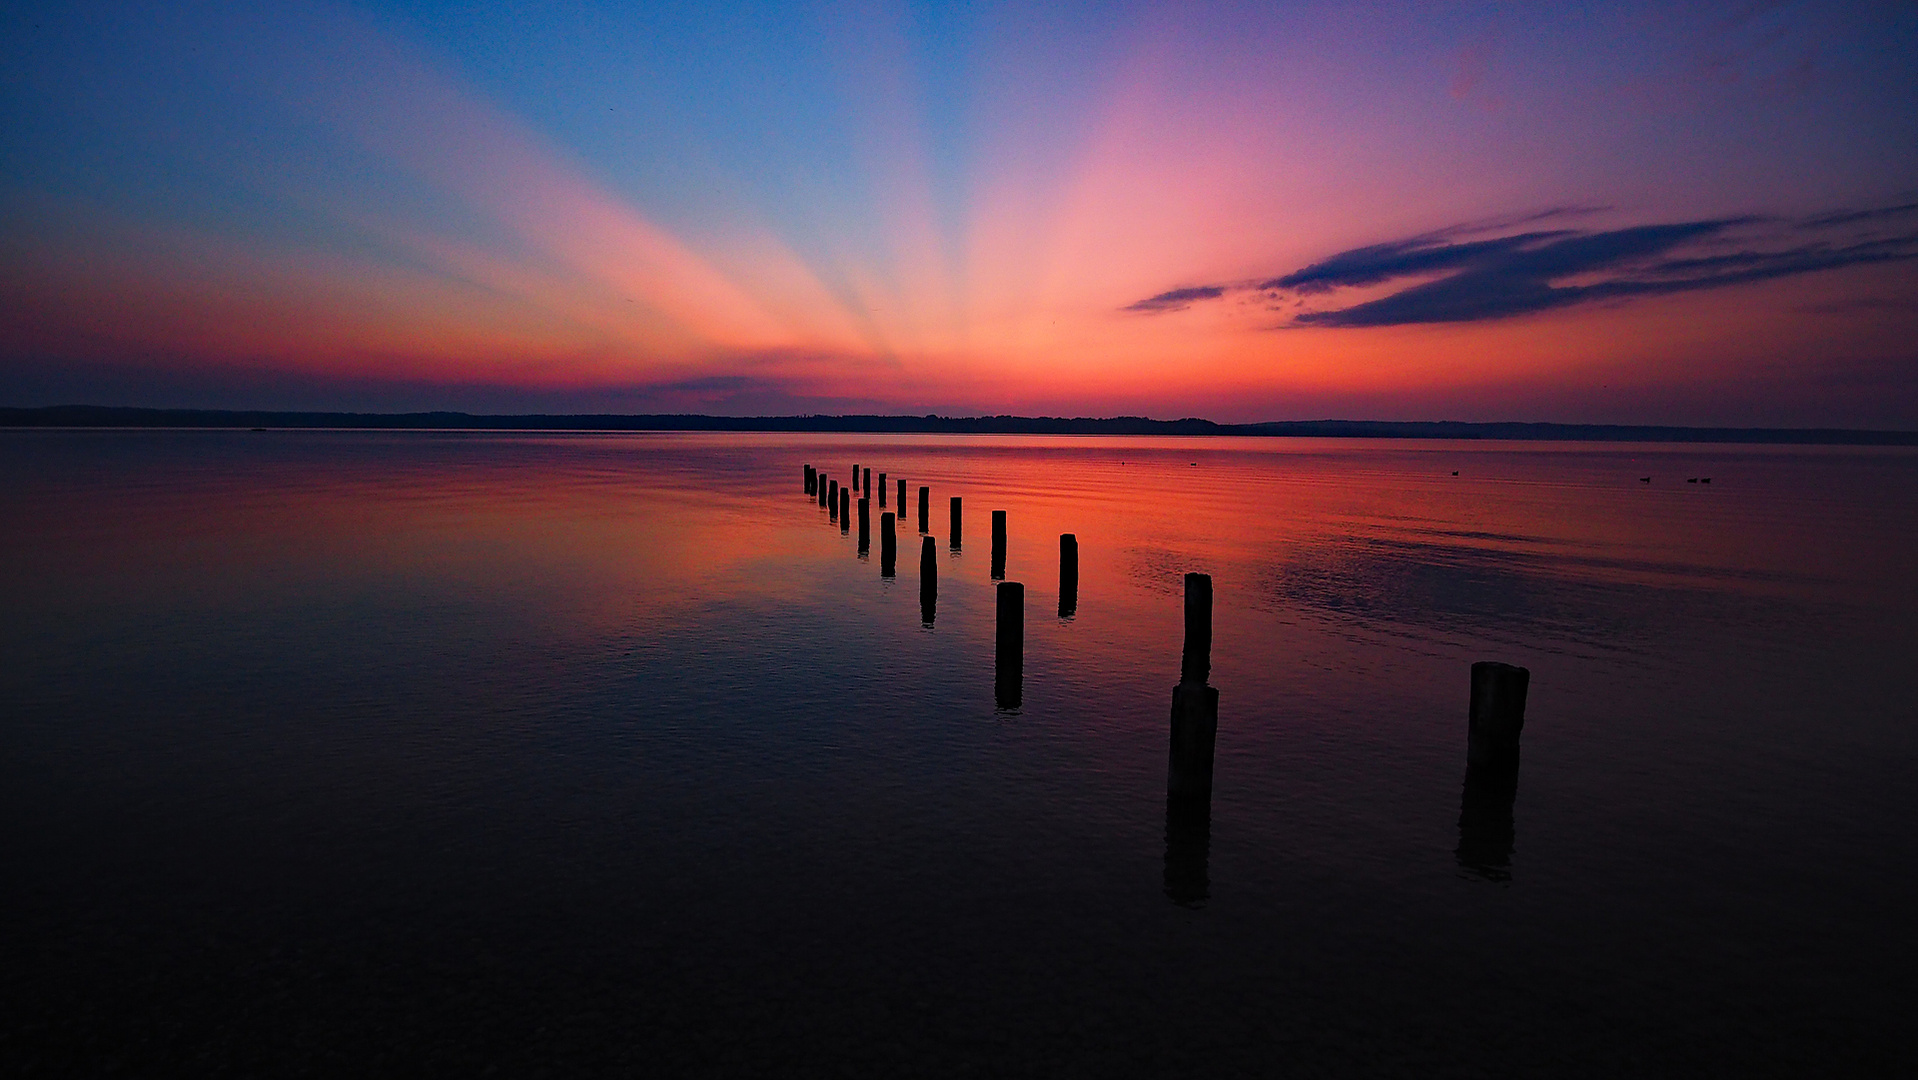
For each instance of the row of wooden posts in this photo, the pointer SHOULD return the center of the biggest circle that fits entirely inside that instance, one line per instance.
(1494, 719)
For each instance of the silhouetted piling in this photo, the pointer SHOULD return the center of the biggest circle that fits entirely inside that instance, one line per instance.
(865, 484)
(832, 501)
(811, 479)
(1009, 656)
(952, 541)
(855, 476)
(1195, 665)
(845, 510)
(902, 497)
(1068, 574)
(928, 581)
(888, 543)
(1486, 833)
(865, 526)
(925, 509)
(1195, 707)
(1496, 717)
(998, 544)
(882, 491)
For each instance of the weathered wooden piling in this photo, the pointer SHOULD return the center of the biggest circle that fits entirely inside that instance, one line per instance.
(1496, 717)
(811, 479)
(928, 580)
(1195, 708)
(998, 544)
(888, 543)
(925, 509)
(865, 526)
(845, 510)
(1195, 664)
(1068, 575)
(902, 497)
(882, 491)
(1009, 654)
(865, 483)
(952, 541)
(832, 501)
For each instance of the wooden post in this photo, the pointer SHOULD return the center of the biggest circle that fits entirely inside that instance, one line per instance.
(925, 509)
(888, 543)
(928, 580)
(882, 491)
(902, 497)
(953, 540)
(865, 483)
(810, 479)
(998, 544)
(1195, 666)
(832, 501)
(1068, 575)
(1497, 714)
(1195, 709)
(1009, 656)
(845, 510)
(865, 526)
(1496, 717)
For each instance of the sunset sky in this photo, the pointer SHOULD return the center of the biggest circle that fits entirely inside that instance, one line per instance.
(1662, 213)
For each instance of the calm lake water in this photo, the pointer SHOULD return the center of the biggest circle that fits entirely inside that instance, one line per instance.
(374, 754)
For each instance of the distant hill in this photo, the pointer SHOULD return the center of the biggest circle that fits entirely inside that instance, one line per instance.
(94, 416)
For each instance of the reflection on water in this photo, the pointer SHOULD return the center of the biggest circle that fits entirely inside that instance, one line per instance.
(452, 752)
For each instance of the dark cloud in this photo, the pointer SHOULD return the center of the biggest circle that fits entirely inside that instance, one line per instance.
(1443, 278)
(1175, 299)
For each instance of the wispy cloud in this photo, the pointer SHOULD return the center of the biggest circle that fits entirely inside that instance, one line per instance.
(1442, 277)
(1175, 299)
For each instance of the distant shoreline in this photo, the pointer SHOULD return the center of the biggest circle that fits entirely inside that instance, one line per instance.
(94, 416)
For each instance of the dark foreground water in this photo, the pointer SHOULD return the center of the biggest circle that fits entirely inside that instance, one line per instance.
(379, 754)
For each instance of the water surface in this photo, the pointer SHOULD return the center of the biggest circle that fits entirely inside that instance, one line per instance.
(389, 752)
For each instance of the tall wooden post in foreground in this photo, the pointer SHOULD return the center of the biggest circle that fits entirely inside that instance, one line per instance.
(832, 501)
(1068, 575)
(928, 581)
(1195, 709)
(952, 541)
(1486, 833)
(888, 544)
(1009, 653)
(865, 526)
(845, 510)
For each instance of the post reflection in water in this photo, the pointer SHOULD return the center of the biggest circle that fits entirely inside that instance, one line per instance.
(1188, 847)
(1486, 833)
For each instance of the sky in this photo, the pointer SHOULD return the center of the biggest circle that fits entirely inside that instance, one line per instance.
(1605, 213)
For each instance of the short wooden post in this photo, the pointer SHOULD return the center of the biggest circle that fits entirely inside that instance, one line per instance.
(928, 580)
(1497, 715)
(832, 501)
(845, 510)
(865, 526)
(882, 491)
(998, 544)
(1068, 575)
(810, 479)
(952, 541)
(1195, 708)
(925, 509)
(1009, 654)
(902, 496)
(865, 483)
(888, 543)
